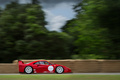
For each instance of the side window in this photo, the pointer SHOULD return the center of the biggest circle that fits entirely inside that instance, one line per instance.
(37, 63)
(44, 63)
(41, 62)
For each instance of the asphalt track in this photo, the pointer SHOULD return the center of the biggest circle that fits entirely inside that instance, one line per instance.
(67, 74)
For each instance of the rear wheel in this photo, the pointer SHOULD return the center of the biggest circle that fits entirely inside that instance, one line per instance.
(59, 70)
(28, 69)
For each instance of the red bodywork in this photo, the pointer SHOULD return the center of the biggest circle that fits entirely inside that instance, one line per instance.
(41, 68)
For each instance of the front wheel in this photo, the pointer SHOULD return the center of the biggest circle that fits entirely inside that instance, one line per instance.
(59, 70)
(28, 69)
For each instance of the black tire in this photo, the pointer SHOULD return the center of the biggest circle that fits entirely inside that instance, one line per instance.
(59, 70)
(28, 70)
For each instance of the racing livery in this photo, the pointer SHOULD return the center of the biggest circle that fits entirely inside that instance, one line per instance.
(42, 66)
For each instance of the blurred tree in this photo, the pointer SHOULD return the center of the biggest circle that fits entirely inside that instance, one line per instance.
(20, 24)
(110, 20)
(0, 11)
(53, 45)
(58, 45)
(96, 29)
(23, 35)
(7, 19)
(35, 2)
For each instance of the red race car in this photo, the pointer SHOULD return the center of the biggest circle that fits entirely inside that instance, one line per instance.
(42, 66)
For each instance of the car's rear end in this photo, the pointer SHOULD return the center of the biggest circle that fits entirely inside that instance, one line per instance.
(21, 66)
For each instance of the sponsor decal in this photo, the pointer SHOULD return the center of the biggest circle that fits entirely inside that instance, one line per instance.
(50, 68)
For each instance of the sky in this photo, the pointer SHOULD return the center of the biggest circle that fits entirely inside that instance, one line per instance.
(57, 11)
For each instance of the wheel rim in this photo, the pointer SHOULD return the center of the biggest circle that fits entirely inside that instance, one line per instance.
(28, 69)
(59, 69)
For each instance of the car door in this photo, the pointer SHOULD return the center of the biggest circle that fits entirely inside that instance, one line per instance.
(42, 67)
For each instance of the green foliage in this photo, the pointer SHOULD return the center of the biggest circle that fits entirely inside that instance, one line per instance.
(23, 34)
(93, 34)
(88, 56)
(89, 76)
(95, 29)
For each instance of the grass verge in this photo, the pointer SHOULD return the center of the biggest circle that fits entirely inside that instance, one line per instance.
(59, 77)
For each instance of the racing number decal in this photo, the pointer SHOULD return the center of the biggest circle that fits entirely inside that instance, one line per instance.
(50, 68)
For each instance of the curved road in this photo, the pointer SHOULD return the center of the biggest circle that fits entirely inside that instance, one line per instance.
(66, 74)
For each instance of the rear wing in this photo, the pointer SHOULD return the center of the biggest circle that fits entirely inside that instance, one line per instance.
(20, 62)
